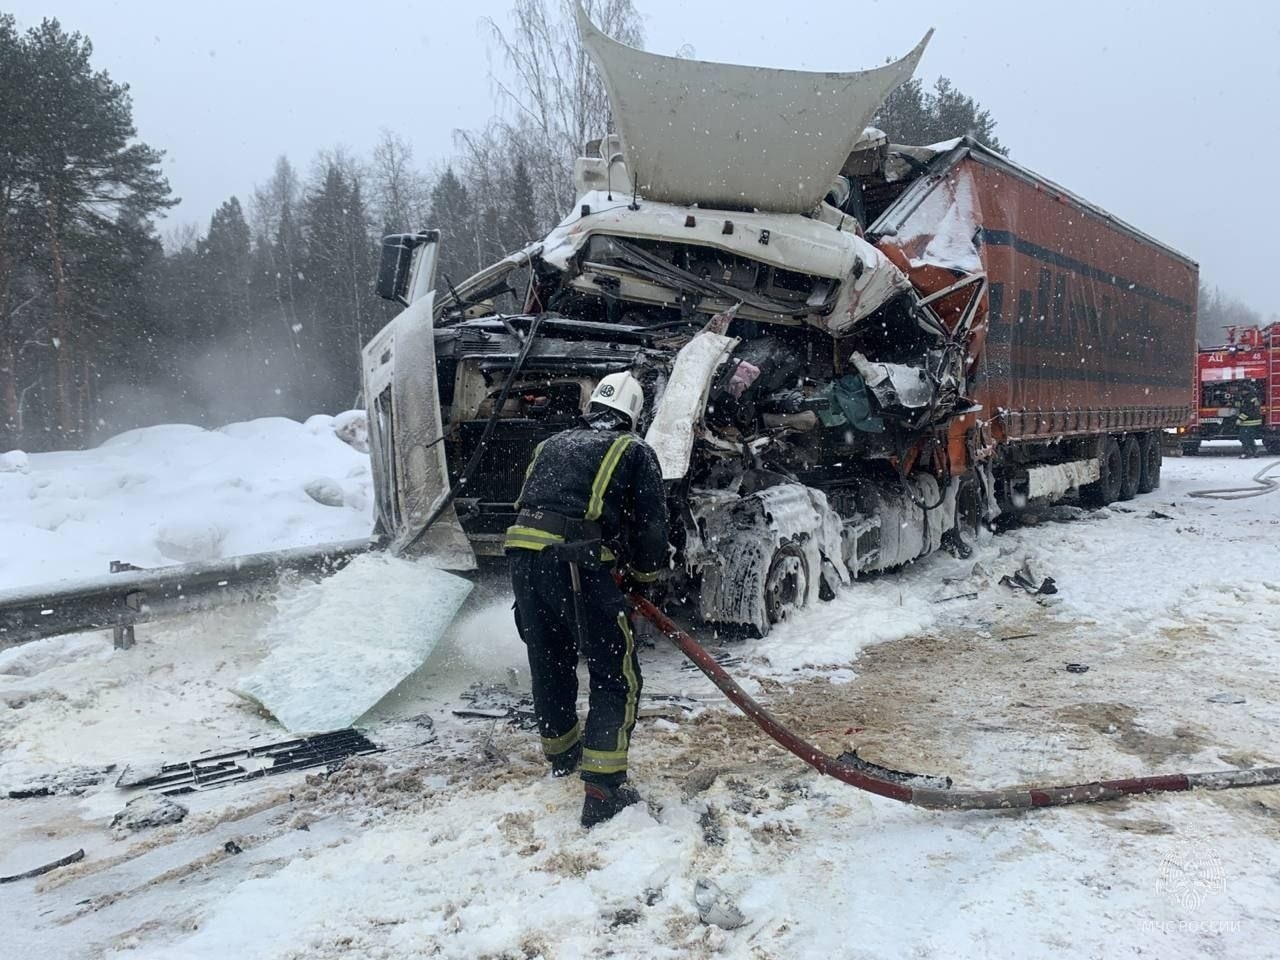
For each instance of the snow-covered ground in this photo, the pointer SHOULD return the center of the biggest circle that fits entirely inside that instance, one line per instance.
(179, 493)
(456, 843)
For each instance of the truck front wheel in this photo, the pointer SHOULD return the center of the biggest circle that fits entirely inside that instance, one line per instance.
(786, 586)
(1131, 467)
(1106, 489)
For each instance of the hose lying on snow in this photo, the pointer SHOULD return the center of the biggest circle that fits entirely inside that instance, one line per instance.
(1263, 484)
(933, 797)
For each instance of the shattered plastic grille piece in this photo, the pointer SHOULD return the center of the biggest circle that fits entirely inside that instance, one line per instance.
(252, 763)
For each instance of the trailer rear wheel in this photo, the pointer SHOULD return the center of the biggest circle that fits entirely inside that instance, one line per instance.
(1152, 460)
(1271, 443)
(1106, 489)
(1131, 467)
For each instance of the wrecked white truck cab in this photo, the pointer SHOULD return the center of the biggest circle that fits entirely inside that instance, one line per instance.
(805, 304)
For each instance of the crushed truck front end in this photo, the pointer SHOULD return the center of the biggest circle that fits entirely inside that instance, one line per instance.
(794, 380)
(833, 383)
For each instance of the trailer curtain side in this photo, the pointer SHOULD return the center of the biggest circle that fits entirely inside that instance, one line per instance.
(1090, 323)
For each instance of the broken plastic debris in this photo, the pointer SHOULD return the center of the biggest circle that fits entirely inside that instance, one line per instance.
(1225, 698)
(148, 810)
(715, 907)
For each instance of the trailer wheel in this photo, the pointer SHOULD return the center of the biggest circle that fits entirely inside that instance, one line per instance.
(1152, 460)
(786, 586)
(1131, 467)
(1106, 489)
(1271, 443)
(1190, 448)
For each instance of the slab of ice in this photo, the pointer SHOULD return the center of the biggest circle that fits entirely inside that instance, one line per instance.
(339, 646)
(684, 400)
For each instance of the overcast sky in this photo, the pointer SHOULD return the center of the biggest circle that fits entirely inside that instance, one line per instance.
(1165, 113)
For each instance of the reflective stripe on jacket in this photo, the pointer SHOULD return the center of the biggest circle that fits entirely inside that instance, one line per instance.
(609, 477)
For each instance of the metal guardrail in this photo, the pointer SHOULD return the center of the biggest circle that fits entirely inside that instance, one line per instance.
(119, 600)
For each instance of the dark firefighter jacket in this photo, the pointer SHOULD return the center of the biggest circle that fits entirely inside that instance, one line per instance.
(1249, 413)
(608, 477)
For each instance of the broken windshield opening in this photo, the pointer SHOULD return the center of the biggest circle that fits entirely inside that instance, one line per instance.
(700, 272)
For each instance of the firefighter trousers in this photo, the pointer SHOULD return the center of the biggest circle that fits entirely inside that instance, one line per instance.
(545, 617)
(1249, 435)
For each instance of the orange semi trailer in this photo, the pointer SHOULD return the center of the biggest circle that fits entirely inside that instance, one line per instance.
(1087, 346)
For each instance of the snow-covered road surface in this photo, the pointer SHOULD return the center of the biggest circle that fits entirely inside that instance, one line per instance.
(456, 843)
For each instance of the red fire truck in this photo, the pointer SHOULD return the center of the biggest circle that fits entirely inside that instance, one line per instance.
(1250, 357)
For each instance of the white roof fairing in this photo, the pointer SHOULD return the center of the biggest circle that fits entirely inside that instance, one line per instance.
(736, 136)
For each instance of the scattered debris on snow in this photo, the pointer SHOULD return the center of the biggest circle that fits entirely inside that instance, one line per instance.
(45, 868)
(1226, 698)
(349, 861)
(147, 811)
(715, 907)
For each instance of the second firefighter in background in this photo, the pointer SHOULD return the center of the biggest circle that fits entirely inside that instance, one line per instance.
(592, 502)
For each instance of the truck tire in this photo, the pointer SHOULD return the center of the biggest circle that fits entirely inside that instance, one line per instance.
(1271, 443)
(1152, 460)
(1130, 467)
(1106, 489)
(786, 585)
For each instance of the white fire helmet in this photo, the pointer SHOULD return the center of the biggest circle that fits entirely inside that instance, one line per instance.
(621, 392)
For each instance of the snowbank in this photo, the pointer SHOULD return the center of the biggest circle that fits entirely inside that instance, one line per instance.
(179, 493)
(15, 461)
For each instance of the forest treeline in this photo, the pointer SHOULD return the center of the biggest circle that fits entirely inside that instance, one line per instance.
(110, 318)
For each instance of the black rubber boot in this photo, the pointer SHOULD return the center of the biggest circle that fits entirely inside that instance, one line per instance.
(602, 802)
(563, 764)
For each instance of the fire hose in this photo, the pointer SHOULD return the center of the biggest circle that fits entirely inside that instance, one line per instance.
(1264, 483)
(936, 798)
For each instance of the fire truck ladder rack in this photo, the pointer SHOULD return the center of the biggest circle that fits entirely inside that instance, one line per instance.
(1273, 375)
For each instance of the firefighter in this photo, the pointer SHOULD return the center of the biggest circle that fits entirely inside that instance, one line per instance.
(1249, 420)
(592, 501)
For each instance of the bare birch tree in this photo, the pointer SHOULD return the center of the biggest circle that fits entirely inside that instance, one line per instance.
(558, 101)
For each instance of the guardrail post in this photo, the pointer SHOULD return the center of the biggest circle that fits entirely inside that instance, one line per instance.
(122, 634)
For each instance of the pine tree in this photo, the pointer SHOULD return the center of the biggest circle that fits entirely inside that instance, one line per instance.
(225, 257)
(338, 270)
(77, 196)
(18, 290)
(522, 215)
(453, 214)
(912, 115)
